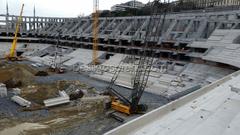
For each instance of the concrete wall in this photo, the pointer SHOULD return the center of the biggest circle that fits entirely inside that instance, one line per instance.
(133, 125)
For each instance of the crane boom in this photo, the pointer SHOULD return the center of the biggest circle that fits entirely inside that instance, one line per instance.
(129, 106)
(12, 54)
(95, 31)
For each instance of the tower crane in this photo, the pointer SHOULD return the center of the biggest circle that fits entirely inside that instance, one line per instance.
(12, 55)
(95, 31)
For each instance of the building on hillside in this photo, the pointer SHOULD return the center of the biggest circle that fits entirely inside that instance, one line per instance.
(212, 3)
(124, 6)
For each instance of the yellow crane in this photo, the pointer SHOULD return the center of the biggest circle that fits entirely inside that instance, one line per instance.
(95, 31)
(12, 55)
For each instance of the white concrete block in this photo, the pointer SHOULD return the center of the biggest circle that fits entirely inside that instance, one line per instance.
(63, 99)
(3, 90)
(17, 91)
(21, 101)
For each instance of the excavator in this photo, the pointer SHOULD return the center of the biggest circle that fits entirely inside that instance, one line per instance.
(130, 105)
(12, 56)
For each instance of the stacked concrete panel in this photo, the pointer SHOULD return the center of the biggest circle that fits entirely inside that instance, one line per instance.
(62, 99)
(178, 27)
(126, 34)
(222, 46)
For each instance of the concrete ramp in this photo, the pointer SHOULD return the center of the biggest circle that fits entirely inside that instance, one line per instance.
(212, 110)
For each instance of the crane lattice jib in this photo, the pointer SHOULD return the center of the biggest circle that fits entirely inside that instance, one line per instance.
(147, 57)
(95, 30)
(14, 44)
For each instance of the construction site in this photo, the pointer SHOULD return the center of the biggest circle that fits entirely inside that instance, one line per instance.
(167, 73)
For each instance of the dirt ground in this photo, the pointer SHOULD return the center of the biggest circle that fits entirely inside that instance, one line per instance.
(22, 76)
(16, 75)
(78, 117)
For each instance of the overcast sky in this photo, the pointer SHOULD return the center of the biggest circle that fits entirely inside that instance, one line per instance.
(57, 8)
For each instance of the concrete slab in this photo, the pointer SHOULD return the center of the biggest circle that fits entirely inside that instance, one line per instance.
(212, 110)
(83, 56)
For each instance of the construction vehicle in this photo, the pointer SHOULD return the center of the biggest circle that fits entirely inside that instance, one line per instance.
(12, 56)
(60, 70)
(95, 31)
(56, 64)
(131, 104)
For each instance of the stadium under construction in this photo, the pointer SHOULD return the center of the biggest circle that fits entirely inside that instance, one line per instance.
(168, 73)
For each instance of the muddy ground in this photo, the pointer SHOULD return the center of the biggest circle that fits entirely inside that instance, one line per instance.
(78, 117)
